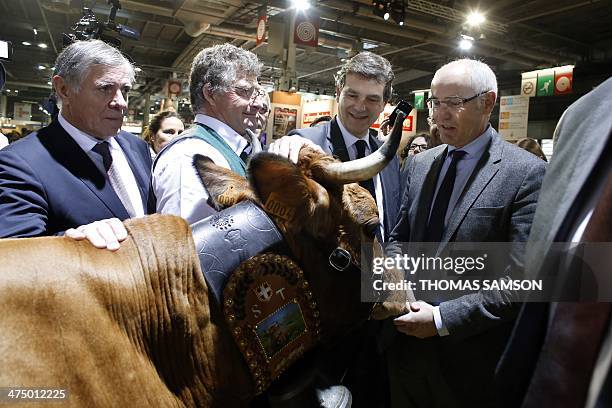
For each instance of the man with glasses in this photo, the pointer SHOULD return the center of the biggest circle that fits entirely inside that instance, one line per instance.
(227, 101)
(476, 187)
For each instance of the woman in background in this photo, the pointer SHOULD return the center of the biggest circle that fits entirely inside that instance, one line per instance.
(163, 127)
(532, 146)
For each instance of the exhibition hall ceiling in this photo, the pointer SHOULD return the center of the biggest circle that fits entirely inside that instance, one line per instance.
(516, 36)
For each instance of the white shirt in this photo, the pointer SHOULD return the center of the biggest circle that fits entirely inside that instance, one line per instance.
(176, 184)
(3, 141)
(87, 142)
(349, 141)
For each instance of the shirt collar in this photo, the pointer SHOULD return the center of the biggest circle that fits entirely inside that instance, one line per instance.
(85, 141)
(235, 141)
(349, 138)
(476, 146)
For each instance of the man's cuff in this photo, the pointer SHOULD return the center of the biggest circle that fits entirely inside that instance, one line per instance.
(440, 327)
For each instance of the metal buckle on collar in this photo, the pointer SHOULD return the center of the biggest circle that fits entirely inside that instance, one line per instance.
(340, 259)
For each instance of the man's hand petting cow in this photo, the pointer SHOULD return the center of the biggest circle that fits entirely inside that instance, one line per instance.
(142, 326)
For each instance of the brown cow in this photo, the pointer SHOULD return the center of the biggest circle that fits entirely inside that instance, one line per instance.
(136, 327)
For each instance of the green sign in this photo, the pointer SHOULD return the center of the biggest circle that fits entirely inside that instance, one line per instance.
(419, 100)
(545, 85)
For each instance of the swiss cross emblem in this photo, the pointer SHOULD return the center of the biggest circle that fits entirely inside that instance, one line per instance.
(264, 292)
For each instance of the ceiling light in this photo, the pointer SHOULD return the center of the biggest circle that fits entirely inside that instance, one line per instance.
(301, 5)
(35, 31)
(26, 43)
(475, 18)
(16, 91)
(41, 67)
(386, 16)
(465, 43)
(48, 82)
(137, 69)
(401, 23)
(42, 45)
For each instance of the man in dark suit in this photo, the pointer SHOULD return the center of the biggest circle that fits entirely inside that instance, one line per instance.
(560, 353)
(81, 168)
(363, 87)
(474, 188)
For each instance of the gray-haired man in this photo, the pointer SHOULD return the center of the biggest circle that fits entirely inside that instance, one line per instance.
(226, 98)
(81, 168)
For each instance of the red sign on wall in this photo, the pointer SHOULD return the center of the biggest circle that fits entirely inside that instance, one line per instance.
(306, 30)
(563, 82)
(261, 29)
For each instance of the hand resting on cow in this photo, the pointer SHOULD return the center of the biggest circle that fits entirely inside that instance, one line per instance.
(109, 233)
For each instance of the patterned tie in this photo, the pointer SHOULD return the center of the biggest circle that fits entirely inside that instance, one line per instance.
(367, 184)
(435, 229)
(103, 149)
(563, 372)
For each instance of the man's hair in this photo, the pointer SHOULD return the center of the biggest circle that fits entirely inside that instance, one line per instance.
(370, 66)
(75, 61)
(480, 77)
(217, 68)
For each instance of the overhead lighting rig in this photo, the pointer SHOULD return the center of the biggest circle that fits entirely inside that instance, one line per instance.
(394, 9)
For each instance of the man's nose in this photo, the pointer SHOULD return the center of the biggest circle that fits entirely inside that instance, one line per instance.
(119, 100)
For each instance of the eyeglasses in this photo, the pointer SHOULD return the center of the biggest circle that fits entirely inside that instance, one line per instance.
(418, 146)
(454, 102)
(249, 93)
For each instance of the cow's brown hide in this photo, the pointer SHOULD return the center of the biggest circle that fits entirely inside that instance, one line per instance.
(126, 329)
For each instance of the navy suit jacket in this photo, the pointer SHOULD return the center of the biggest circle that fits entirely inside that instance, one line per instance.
(49, 184)
(389, 176)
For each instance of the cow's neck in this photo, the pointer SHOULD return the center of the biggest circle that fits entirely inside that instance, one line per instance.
(182, 333)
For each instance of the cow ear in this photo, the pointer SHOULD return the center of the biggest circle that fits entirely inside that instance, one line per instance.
(224, 187)
(280, 185)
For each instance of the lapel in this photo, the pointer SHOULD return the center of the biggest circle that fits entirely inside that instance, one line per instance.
(69, 154)
(139, 171)
(425, 197)
(483, 173)
(337, 141)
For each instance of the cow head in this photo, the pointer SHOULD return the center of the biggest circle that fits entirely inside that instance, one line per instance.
(318, 207)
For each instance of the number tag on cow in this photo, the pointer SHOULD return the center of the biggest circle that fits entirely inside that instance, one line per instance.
(272, 315)
(228, 197)
(274, 205)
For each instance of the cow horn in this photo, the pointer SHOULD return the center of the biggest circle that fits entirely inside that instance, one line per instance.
(255, 143)
(367, 167)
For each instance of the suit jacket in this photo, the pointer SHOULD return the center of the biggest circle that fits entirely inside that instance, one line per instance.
(497, 205)
(49, 184)
(581, 154)
(389, 176)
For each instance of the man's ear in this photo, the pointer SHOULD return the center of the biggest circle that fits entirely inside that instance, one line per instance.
(62, 89)
(489, 102)
(208, 95)
(225, 188)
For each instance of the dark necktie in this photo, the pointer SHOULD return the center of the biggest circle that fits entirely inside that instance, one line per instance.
(103, 149)
(367, 184)
(116, 182)
(563, 373)
(245, 152)
(435, 228)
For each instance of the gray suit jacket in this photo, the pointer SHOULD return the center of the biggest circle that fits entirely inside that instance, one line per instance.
(582, 152)
(497, 205)
(389, 176)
